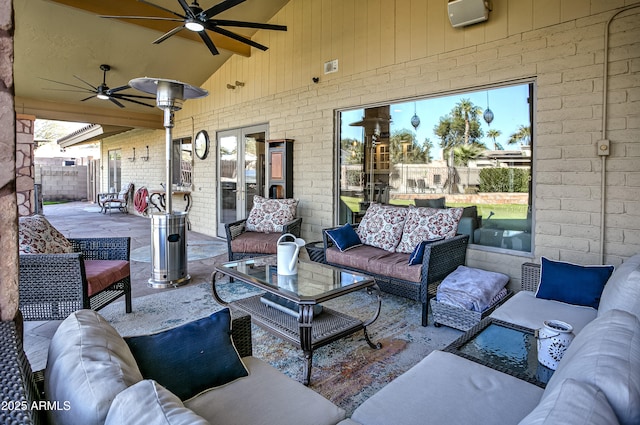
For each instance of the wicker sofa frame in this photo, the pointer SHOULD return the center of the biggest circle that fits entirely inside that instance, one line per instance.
(52, 286)
(22, 387)
(235, 229)
(440, 259)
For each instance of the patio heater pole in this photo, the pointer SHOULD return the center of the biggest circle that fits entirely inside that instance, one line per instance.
(168, 229)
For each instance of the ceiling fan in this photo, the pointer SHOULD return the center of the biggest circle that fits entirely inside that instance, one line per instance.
(198, 20)
(103, 91)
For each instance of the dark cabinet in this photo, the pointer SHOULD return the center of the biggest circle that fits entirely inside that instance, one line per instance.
(280, 176)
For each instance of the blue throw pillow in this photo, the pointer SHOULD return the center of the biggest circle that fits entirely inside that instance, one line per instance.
(344, 237)
(190, 358)
(572, 283)
(418, 252)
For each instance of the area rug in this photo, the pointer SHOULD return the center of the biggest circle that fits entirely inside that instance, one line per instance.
(346, 371)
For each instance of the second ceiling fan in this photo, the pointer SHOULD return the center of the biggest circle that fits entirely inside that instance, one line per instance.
(198, 20)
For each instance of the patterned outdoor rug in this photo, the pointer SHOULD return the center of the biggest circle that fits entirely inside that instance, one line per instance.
(346, 372)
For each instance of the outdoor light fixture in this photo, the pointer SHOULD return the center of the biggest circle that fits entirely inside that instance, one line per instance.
(168, 236)
(194, 25)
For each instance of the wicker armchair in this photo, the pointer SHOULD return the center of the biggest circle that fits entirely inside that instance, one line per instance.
(242, 243)
(52, 286)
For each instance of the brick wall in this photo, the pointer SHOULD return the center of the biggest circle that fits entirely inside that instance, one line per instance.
(61, 183)
(388, 53)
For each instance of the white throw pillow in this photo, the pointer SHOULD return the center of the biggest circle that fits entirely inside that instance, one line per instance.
(149, 403)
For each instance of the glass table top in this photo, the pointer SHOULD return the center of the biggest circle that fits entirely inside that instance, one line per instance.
(506, 347)
(314, 280)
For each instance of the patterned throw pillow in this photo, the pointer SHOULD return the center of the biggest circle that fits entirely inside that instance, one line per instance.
(37, 236)
(382, 226)
(269, 215)
(428, 223)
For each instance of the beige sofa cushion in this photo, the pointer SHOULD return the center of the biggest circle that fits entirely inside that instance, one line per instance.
(447, 389)
(149, 403)
(526, 310)
(266, 396)
(622, 291)
(572, 403)
(606, 354)
(88, 364)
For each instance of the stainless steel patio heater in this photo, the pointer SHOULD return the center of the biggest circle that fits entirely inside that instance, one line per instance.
(168, 229)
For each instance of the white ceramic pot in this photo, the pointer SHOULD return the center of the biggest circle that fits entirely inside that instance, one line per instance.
(553, 340)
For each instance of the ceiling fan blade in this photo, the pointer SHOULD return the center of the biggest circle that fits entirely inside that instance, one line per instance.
(207, 40)
(87, 98)
(220, 7)
(124, 95)
(236, 37)
(153, 18)
(162, 8)
(117, 89)
(116, 102)
(67, 84)
(130, 100)
(89, 84)
(169, 34)
(227, 23)
(186, 9)
(82, 90)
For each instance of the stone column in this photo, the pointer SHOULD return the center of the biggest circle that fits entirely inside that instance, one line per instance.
(8, 204)
(25, 176)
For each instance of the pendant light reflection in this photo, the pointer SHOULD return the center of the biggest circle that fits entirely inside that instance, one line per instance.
(415, 119)
(488, 113)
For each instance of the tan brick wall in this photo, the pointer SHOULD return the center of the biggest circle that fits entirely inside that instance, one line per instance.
(389, 52)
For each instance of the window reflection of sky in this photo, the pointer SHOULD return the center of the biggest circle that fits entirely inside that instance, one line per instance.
(509, 105)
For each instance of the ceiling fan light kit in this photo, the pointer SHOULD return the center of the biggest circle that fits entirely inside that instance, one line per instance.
(198, 20)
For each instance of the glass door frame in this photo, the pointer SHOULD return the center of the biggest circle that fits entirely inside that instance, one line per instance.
(242, 206)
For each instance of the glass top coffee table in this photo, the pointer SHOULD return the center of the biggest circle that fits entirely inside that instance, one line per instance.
(291, 306)
(503, 346)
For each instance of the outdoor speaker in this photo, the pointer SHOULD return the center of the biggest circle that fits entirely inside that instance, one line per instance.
(467, 12)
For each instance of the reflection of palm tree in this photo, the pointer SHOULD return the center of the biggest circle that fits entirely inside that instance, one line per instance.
(468, 111)
(522, 135)
(493, 134)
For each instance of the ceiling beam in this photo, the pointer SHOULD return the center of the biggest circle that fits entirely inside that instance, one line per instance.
(80, 113)
(135, 8)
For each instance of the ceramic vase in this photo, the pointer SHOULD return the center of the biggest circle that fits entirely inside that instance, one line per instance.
(553, 340)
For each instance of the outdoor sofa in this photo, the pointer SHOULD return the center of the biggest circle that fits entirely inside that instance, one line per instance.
(597, 380)
(408, 251)
(94, 376)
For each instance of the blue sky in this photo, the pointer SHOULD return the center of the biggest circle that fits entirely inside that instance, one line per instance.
(509, 106)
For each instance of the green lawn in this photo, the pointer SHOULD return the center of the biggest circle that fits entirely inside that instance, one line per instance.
(500, 211)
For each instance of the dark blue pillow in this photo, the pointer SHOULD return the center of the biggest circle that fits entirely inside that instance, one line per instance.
(572, 283)
(418, 252)
(344, 237)
(190, 358)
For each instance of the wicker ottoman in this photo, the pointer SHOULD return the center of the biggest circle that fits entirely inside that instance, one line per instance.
(460, 318)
